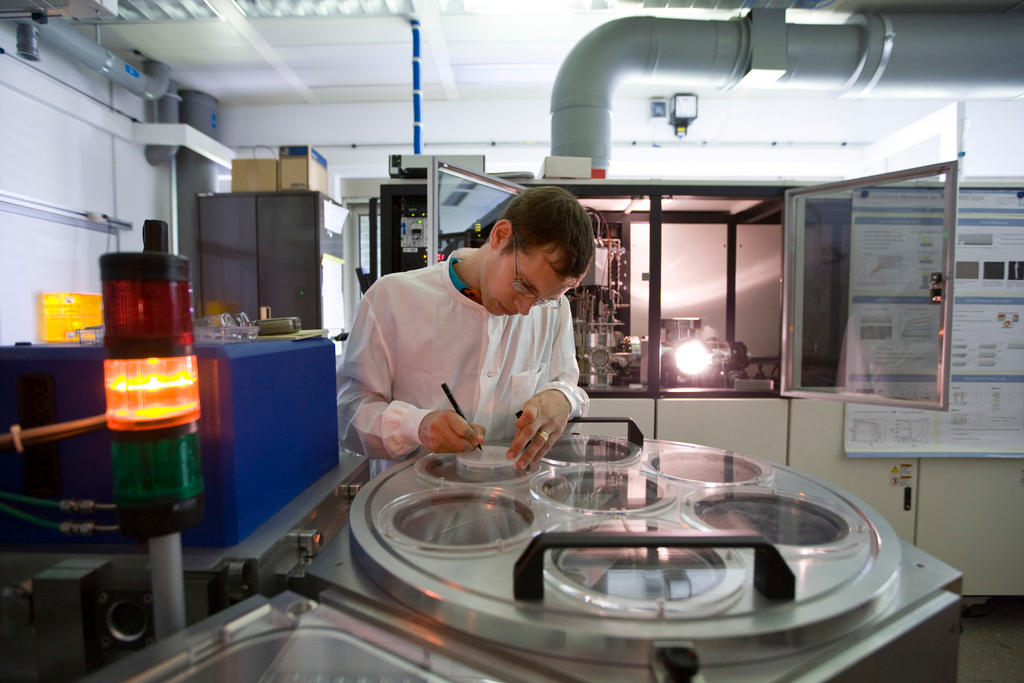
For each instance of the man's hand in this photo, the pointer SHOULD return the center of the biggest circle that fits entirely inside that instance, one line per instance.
(443, 431)
(541, 423)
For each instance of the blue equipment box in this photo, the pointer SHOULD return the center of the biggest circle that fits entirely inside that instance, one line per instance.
(269, 429)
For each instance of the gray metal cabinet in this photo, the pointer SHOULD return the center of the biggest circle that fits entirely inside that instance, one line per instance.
(267, 249)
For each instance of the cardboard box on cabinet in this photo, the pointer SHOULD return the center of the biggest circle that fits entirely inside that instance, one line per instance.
(300, 167)
(254, 175)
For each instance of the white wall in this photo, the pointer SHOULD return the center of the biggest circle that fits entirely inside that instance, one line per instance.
(65, 133)
(733, 138)
(992, 146)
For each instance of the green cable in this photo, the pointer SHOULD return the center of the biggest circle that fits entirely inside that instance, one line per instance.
(18, 498)
(32, 519)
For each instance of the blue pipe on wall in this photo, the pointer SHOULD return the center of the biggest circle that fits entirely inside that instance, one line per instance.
(417, 134)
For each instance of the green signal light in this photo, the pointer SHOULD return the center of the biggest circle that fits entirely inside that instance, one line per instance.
(162, 471)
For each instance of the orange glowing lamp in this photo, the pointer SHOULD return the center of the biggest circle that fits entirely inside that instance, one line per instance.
(151, 393)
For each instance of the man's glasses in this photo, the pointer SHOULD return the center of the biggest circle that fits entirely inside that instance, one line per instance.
(525, 289)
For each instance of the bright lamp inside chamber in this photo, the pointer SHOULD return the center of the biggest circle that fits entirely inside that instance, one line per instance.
(692, 357)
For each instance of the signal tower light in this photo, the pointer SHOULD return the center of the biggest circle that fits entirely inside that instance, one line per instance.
(151, 386)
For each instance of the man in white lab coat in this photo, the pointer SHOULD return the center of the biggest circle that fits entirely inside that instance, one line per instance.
(493, 323)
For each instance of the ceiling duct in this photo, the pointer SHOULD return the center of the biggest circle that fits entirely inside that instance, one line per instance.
(150, 84)
(952, 56)
(165, 110)
(28, 42)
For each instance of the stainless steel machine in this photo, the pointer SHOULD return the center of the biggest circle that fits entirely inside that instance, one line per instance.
(607, 354)
(614, 560)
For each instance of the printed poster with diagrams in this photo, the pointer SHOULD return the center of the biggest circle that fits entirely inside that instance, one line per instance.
(986, 406)
(891, 341)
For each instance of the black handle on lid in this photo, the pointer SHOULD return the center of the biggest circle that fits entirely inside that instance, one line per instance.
(772, 576)
(680, 663)
(633, 433)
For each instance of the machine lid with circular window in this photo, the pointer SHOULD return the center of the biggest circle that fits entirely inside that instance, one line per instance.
(707, 467)
(576, 449)
(645, 582)
(456, 520)
(802, 523)
(412, 541)
(600, 489)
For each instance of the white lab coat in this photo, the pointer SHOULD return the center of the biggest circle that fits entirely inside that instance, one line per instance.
(415, 330)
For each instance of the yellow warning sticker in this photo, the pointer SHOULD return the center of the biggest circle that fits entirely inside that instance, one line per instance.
(902, 475)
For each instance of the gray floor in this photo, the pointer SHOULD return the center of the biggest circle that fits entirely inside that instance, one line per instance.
(992, 640)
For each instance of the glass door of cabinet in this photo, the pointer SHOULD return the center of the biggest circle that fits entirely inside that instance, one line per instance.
(868, 288)
(462, 207)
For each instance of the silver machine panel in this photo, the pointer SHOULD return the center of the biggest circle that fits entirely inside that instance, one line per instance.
(610, 560)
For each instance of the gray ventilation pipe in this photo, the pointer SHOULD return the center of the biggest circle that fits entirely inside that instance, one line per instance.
(195, 175)
(59, 33)
(28, 42)
(165, 110)
(954, 56)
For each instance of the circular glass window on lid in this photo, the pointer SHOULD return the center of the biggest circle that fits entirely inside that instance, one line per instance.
(602, 489)
(804, 524)
(456, 520)
(701, 466)
(654, 582)
(470, 468)
(577, 449)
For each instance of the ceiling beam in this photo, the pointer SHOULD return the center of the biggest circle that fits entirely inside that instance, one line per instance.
(430, 23)
(230, 13)
(770, 208)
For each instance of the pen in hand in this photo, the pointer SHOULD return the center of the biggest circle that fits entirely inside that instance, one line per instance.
(455, 405)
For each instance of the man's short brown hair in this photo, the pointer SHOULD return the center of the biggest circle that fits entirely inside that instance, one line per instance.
(548, 217)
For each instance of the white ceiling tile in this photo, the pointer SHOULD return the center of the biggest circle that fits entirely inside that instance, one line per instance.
(335, 30)
(368, 56)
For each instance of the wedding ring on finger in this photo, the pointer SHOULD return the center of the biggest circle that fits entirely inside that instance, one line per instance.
(543, 435)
